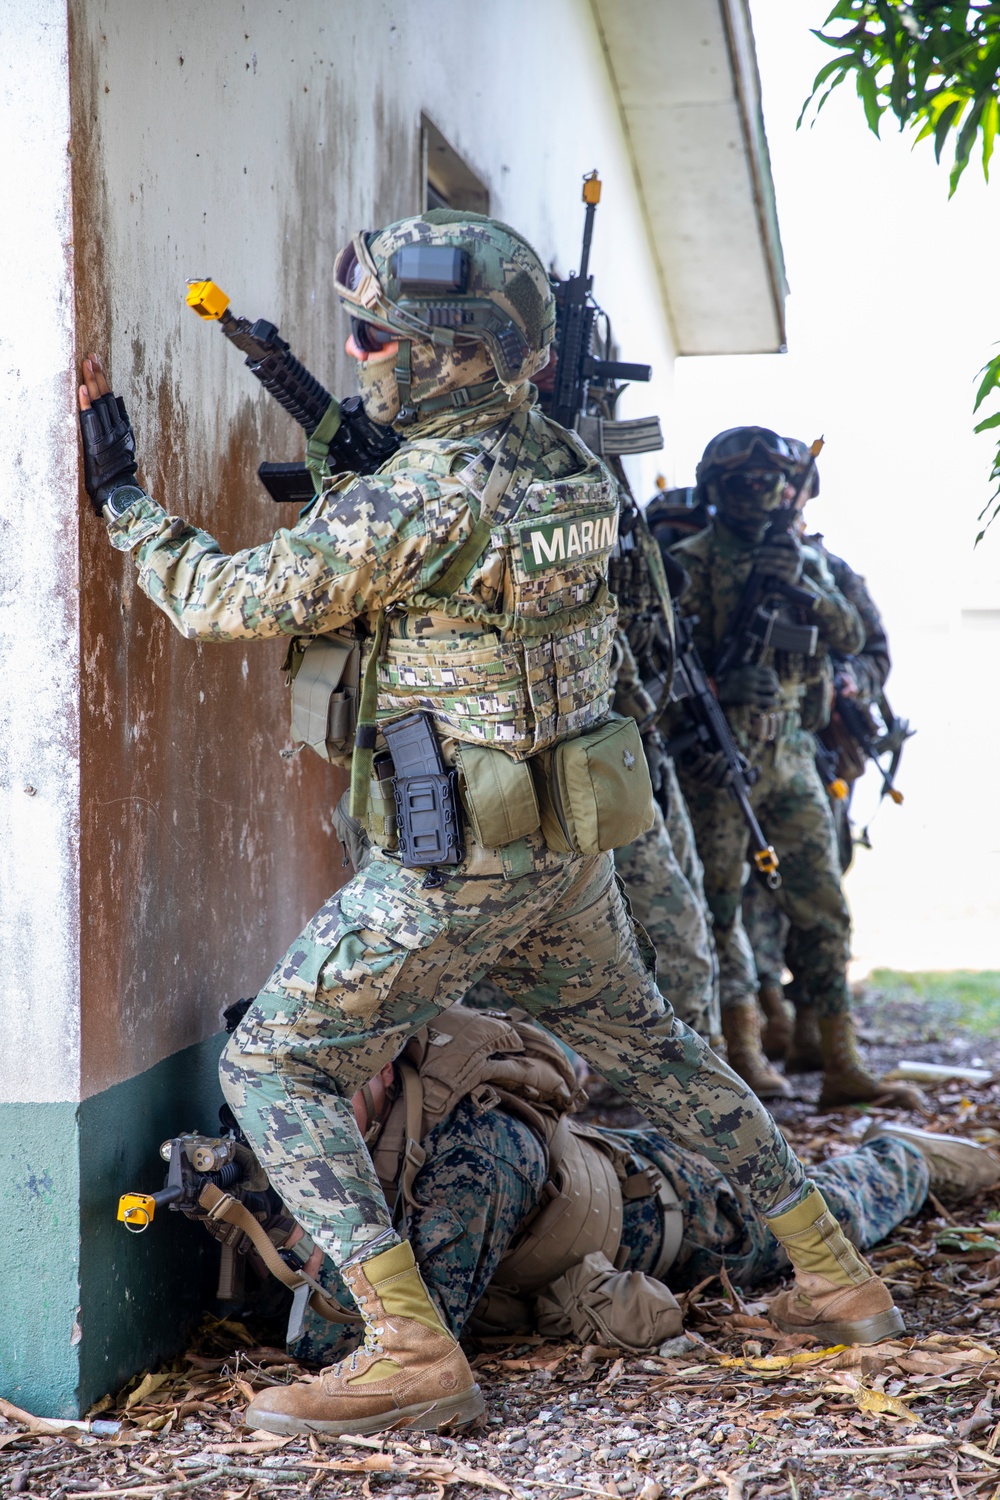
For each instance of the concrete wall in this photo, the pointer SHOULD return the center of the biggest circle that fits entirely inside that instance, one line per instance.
(250, 149)
(165, 853)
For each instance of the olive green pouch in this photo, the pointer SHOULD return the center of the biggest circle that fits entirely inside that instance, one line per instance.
(380, 823)
(498, 794)
(599, 792)
(323, 672)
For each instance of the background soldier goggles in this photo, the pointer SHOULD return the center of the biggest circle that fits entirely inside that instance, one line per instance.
(764, 450)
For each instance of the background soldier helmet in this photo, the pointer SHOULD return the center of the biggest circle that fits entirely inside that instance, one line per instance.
(460, 282)
(744, 470)
(744, 448)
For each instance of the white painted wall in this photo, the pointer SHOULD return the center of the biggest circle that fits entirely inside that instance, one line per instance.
(39, 650)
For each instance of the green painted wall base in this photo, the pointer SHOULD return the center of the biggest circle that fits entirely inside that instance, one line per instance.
(83, 1303)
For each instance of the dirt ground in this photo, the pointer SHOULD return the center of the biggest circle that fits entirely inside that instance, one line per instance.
(732, 1411)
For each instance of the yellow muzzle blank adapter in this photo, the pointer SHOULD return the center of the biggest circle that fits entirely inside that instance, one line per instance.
(207, 299)
(136, 1210)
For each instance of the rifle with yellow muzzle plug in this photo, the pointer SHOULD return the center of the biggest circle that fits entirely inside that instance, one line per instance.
(218, 1181)
(341, 438)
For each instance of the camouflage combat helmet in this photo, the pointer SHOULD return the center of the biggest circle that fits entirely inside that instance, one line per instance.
(455, 280)
(803, 456)
(745, 448)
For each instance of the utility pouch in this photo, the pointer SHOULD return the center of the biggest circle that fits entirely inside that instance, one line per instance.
(323, 672)
(381, 818)
(498, 794)
(427, 817)
(595, 791)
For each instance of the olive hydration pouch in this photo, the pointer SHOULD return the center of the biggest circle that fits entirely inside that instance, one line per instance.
(323, 672)
(594, 791)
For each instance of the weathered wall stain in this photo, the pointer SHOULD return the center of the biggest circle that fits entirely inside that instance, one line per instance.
(203, 852)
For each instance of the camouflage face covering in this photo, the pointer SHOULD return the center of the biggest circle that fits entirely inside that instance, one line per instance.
(434, 370)
(746, 499)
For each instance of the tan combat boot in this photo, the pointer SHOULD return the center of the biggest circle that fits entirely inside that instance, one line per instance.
(409, 1372)
(845, 1078)
(837, 1297)
(959, 1169)
(805, 1050)
(777, 1032)
(741, 1030)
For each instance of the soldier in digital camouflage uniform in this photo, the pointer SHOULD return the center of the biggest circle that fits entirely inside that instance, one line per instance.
(744, 472)
(472, 567)
(861, 676)
(484, 1173)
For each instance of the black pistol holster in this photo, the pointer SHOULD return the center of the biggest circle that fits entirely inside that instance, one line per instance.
(427, 816)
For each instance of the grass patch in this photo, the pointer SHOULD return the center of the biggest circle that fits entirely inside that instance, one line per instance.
(970, 997)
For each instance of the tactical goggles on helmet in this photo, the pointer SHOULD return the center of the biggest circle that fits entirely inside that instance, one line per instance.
(749, 448)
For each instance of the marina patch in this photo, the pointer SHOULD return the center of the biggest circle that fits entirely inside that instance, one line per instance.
(559, 541)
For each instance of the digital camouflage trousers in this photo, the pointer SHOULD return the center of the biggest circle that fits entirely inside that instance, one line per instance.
(767, 931)
(675, 917)
(869, 1191)
(794, 814)
(390, 951)
(484, 1171)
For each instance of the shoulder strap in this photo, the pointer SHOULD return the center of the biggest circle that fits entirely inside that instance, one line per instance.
(507, 482)
(219, 1205)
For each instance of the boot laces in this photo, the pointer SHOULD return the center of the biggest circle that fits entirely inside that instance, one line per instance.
(370, 1347)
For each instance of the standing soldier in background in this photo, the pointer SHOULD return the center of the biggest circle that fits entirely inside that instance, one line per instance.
(761, 670)
(860, 678)
(470, 572)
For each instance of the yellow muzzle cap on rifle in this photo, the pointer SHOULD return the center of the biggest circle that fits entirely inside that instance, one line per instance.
(207, 299)
(135, 1211)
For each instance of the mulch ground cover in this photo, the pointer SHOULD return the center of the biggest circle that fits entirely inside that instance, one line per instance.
(733, 1410)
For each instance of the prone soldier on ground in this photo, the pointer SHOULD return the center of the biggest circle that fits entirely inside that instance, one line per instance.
(463, 586)
(523, 1219)
(762, 607)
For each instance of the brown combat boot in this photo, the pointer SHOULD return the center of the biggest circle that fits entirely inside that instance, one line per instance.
(805, 1050)
(741, 1030)
(409, 1372)
(958, 1168)
(837, 1297)
(777, 1032)
(845, 1078)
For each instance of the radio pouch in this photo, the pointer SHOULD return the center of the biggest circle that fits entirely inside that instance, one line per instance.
(597, 794)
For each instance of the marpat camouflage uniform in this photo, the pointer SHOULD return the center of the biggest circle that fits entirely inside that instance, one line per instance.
(395, 946)
(788, 798)
(484, 1172)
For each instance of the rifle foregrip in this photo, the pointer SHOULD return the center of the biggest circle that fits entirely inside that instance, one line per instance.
(291, 384)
